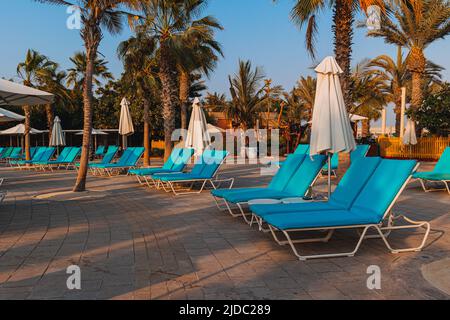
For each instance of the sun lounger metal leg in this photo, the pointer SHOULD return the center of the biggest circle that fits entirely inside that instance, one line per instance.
(245, 214)
(424, 186)
(324, 239)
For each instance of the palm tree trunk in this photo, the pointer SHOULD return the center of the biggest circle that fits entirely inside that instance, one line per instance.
(167, 74)
(146, 132)
(416, 94)
(80, 184)
(27, 112)
(365, 128)
(343, 36)
(50, 118)
(184, 97)
(398, 109)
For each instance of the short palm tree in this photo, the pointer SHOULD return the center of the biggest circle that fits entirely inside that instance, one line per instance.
(415, 25)
(306, 92)
(168, 22)
(76, 74)
(29, 71)
(52, 80)
(138, 56)
(247, 95)
(96, 15)
(305, 12)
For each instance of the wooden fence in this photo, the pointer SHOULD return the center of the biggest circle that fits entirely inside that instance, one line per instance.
(425, 149)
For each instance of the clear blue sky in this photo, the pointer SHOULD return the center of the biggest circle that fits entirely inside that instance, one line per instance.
(258, 30)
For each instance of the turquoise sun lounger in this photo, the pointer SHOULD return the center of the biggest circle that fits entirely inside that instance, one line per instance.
(42, 154)
(66, 159)
(205, 170)
(6, 152)
(175, 164)
(107, 158)
(370, 209)
(440, 173)
(294, 179)
(127, 161)
(360, 152)
(100, 151)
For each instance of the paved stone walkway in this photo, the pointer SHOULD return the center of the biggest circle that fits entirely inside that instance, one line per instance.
(134, 243)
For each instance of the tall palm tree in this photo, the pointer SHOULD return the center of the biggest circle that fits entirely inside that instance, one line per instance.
(415, 25)
(247, 95)
(29, 70)
(96, 15)
(138, 55)
(76, 74)
(305, 12)
(200, 54)
(52, 80)
(169, 22)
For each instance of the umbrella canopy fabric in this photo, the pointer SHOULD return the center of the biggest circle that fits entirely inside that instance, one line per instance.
(331, 129)
(14, 94)
(125, 123)
(19, 130)
(94, 132)
(409, 138)
(355, 118)
(198, 137)
(57, 134)
(7, 116)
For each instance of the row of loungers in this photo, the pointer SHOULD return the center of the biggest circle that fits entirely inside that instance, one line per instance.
(363, 200)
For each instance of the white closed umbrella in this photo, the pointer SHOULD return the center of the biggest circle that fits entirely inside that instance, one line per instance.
(409, 137)
(7, 116)
(125, 122)
(58, 138)
(198, 136)
(331, 131)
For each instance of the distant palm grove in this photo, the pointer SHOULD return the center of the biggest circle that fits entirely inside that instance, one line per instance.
(174, 47)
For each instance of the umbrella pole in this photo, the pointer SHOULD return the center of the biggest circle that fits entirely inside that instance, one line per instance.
(329, 175)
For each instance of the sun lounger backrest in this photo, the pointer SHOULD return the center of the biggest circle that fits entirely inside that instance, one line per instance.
(39, 153)
(73, 154)
(354, 181)
(125, 155)
(64, 153)
(16, 152)
(443, 165)
(212, 163)
(100, 150)
(182, 160)
(1, 151)
(302, 149)
(48, 153)
(135, 156)
(360, 152)
(383, 187)
(334, 162)
(305, 175)
(7, 152)
(286, 171)
(110, 154)
(172, 159)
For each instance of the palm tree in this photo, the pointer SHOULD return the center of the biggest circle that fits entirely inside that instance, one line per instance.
(76, 74)
(29, 70)
(170, 22)
(138, 56)
(306, 11)
(51, 80)
(416, 24)
(95, 16)
(247, 93)
(199, 53)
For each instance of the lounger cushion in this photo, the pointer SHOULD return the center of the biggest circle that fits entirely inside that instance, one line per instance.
(245, 196)
(284, 175)
(317, 219)
(304, 176)
(431, 176)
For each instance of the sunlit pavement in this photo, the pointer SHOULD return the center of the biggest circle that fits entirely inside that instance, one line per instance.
(131, 242)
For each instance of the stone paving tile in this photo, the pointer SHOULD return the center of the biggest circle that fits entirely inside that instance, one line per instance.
(135, 243)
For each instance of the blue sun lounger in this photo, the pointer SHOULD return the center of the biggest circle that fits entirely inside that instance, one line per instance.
(176, 163)
(100, 151)
(107, 158)
(41, 155)
(128, 160)
(294, 179)
(205, 170)
(440, 173)
(6, 152)
(370, 209)
(360, 152)
(66, 159)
